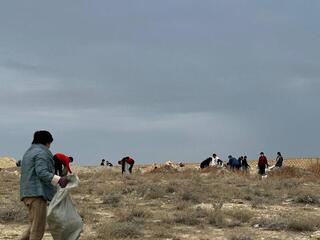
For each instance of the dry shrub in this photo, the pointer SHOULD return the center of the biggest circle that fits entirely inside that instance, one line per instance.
(112, 200)
(293, 222)
(182, 205)
(212, 170)
(288, 172)
(154, 192)
(241, 236)
(307, 198)
(229, 218)
(241, 215)
(119, 230)
(134, 215)
(315, 168)
(11, 215)
(87, 214)
(150, 191)
(172, 187)
(186, 218)
(218, 218)
(303, 223)
(190, 196)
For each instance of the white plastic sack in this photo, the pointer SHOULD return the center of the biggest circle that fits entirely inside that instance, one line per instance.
(63, 219)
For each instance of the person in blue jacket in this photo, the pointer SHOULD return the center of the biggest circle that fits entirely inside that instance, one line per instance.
(38, 183)
(233, 162)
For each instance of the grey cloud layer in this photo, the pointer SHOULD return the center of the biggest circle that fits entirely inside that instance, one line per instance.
(161, 79)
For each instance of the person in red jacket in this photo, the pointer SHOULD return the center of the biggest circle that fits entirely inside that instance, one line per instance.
(60, 160)
(126, 163)
(262, 164)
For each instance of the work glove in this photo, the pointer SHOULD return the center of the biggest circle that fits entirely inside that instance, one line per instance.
(63, 181)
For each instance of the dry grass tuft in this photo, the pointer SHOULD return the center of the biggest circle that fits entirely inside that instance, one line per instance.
(288, 172)
(119, 230)
(11, 215)
(291, 222)
(112, 200)
(315, 168)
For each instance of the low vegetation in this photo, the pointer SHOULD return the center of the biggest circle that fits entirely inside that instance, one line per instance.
(185, 204)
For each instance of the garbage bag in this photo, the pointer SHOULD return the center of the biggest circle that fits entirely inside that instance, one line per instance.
(63, 219)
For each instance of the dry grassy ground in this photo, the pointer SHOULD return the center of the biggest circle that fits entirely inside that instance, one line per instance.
(215, 204)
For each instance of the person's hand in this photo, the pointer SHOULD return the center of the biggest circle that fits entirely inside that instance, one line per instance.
(63, 181)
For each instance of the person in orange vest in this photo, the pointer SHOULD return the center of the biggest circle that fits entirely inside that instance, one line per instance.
(60, 160)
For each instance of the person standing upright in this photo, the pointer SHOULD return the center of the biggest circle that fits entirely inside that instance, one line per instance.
(38, 183)
(245, 166)
(279, 160)
(262, 164)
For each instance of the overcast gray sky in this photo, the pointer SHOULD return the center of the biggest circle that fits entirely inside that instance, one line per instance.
(160, 80)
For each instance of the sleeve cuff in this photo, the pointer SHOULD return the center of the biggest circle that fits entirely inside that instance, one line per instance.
(55, 180)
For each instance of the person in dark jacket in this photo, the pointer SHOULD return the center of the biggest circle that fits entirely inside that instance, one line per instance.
(239, 163)
(245, 166)
(126, 164)
(279, 160)
(206, 163)
(262, 164)
(38, 183)
(233, 162)
(102, 162)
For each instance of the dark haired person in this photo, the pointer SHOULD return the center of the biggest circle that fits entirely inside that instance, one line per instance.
(279, 160)
(38, 183)
(216, 161)
(126, 164)
(239, 163)
(102, 162)
(206, 163)
(245, 166)
(60, 160)
(262, 164)
(233, 162)
(109, 164)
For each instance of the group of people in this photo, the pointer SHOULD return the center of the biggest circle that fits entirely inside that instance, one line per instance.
(106, 163)
(241, 163)
(42, 172)
(126, 164)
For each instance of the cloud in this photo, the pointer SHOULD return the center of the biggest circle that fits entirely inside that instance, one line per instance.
(161, 80)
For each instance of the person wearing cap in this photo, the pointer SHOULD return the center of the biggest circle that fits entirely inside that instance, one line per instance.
(38, 183)
(60, 160)
(262, 164)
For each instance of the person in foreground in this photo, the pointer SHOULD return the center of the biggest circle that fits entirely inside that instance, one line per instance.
(38, 183)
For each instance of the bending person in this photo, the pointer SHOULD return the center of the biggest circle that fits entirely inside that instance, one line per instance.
(60, 160)
(126, 164)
